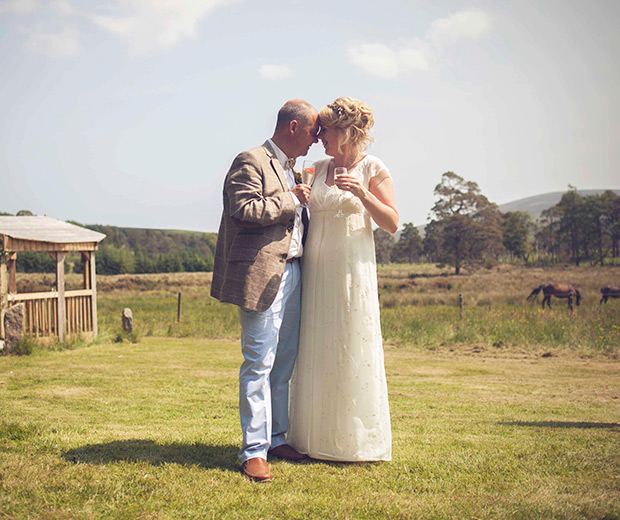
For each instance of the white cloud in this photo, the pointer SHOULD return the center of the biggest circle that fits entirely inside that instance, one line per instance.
(385, 62)
(388, 62)
(469, 23)
(375, 59)
(275, 72)
(147, 25)
(30, 6)
(56, 45)
(63, 7)
(19, 6)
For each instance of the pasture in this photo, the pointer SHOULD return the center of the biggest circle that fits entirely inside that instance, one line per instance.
(509, 412)
(419, 308)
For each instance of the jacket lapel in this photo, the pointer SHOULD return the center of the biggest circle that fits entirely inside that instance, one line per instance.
(275, 164)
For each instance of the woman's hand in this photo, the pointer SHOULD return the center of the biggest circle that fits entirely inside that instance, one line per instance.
(350, 183)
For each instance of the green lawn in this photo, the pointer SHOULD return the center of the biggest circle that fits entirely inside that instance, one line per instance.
(151, 430)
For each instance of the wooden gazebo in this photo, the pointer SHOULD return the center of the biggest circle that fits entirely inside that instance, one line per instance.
(56, 312)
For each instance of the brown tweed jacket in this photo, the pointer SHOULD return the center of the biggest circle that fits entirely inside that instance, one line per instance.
(255, 231)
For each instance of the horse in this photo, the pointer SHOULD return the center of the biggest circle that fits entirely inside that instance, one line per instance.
(609, 292)
(559, 290)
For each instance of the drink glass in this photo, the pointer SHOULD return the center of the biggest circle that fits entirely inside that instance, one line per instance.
(337, 173)
(307, 173)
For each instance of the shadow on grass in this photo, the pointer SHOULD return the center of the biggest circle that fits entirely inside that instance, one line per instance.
(564, 424)
(141, 450)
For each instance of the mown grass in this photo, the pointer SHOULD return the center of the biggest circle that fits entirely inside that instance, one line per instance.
(150, 431)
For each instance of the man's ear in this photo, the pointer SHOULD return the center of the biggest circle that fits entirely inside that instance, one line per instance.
(293, 125)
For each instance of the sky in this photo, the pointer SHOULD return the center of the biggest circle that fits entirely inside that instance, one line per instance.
(130, 112)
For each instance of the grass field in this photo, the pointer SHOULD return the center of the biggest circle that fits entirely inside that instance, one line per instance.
(150, 430)
(509, 412)
(419, 308)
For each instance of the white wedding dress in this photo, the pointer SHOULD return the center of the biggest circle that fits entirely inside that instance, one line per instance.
(339, 404)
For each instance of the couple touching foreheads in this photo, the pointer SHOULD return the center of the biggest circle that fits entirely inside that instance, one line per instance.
(312, 383)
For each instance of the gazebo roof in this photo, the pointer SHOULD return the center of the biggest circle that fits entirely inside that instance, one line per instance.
(46, 234)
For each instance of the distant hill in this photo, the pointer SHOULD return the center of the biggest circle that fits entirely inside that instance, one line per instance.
(538, 203)
(533, 205)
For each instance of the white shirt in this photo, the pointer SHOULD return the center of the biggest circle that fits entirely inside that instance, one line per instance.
(296, 249)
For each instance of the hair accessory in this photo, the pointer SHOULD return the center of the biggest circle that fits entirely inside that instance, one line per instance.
(337, 108)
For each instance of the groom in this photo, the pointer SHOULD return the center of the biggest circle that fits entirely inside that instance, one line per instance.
(257, 268)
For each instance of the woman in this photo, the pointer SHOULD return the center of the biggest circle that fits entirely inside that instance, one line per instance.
(339, 405)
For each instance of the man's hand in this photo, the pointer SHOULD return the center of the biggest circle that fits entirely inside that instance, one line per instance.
(302, 192)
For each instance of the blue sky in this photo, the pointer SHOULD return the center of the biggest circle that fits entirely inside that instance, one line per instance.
(129, 112)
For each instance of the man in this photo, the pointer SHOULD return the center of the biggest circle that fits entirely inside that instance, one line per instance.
(257, 268)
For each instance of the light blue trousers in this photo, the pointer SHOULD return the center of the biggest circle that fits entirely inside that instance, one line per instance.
(269, 342)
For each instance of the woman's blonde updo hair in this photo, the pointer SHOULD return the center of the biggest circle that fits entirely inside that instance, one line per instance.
(354, 120)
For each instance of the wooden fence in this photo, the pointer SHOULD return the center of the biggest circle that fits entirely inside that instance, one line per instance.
(41, 312)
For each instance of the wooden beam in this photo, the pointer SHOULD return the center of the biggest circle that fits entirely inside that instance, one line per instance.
(50, 295)
(93, 288)
(16, 244)
(12, 258)
(4, 288)
(85, 260)
(60, 285)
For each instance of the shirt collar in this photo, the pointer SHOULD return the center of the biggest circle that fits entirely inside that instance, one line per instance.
(280, 155)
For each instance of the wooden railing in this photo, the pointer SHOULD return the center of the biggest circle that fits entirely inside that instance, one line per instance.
(41, 312)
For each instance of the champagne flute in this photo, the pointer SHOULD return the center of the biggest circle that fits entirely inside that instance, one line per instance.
(337, 173)
(307, 173)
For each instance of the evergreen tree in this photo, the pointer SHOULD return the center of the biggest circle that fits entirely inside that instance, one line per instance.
(409, 245)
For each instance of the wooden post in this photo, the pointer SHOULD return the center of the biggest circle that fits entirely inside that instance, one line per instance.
(86, 274)
(12, 258)
(4, 289)
(179, 309)
(92, 271)
(60, 285)
(460, 306)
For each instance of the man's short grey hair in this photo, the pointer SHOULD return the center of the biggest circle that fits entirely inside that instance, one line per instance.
(295, 110)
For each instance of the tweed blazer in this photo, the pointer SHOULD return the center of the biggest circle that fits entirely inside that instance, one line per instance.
(255, 231)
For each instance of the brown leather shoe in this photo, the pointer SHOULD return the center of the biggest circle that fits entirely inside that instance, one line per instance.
(257, 469)
(286, 452)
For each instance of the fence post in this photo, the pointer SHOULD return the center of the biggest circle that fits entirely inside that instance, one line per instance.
(61, 310)
(460, 306)
(179, 309)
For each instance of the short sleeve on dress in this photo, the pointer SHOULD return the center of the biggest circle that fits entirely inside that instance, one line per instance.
(376, 165)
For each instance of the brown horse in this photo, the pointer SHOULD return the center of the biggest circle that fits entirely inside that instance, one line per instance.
(609, 292)
(559, 290)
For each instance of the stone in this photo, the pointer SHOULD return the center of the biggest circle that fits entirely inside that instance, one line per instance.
(127, 320)
(13, 326)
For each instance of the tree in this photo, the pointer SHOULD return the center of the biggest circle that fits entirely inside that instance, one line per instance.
(516, 227)
(409, 245)
(547, 237)
(594, 226)
(571, 222)
(384, 242)
(611, 208)
(467, 225)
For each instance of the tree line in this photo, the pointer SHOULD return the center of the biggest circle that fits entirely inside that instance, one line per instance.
(466, 229)
(133, 250)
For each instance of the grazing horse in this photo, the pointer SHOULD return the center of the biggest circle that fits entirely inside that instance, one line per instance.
(609, 292)
(559, 290)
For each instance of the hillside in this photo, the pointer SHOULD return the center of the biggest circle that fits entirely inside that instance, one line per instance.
(538, 203)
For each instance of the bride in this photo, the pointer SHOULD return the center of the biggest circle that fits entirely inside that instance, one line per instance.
(339, 405)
